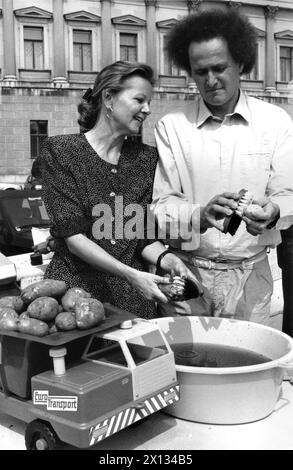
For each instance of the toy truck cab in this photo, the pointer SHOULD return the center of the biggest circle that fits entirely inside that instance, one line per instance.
(140, 348)
(123, 375)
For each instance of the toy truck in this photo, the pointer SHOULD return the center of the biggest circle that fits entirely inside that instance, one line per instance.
(80, 387)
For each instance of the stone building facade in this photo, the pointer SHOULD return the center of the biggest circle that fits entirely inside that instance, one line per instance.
(51, 50)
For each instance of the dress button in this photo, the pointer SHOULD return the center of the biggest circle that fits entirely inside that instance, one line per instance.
(113, 242)
(114, 170)
(112, 194)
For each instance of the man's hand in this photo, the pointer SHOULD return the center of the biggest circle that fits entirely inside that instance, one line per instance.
(176, 267)
(261, 215)
(217, 209)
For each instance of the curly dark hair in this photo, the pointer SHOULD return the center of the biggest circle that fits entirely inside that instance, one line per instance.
(230, 25)
(110, 78)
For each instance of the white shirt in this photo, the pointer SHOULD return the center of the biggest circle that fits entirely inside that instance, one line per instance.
(202, 156)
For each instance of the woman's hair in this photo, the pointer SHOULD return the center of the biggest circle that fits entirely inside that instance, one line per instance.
(236, 29)
(36, 170)
(112, 79)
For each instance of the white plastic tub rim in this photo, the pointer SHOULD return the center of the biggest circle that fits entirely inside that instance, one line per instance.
(238, 333)
(228, 395)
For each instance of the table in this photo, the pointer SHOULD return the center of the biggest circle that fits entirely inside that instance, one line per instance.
(163, 432)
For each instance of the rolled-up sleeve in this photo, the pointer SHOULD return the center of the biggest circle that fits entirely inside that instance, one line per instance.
(280, 186)
(172, 207)
(61, 193)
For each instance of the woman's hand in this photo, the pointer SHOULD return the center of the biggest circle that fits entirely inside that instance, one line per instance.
(147, 285)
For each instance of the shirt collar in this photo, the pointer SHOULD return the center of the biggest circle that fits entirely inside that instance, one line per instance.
(241, 109)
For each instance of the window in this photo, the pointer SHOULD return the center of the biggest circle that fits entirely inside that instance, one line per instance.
(82, 50)
(38, 132)
(33, 47)
(128, 47)
(168, 67)
(105, 350)
(286, 63)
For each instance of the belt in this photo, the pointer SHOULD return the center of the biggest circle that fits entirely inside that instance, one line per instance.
(224, 265)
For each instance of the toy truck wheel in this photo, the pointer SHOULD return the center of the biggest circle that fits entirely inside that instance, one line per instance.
(40, 435)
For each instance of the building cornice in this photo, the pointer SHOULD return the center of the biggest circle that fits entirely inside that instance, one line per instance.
(287, 34)
(129, 20)
(166, 23)
(33, 12)
(82, 16)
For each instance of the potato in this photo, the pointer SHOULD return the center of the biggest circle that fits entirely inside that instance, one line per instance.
(181, 289)
(53, 329)
(13, 301)
(5, 310)
(23, 315)
(32, 326)
(255, 211)
(43, 308)
(69, 299)
(88, 313)
(44, 288)
(65, 321)
(174, 290)
(8, 319)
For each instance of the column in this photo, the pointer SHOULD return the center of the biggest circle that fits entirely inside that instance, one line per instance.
(235, 5)
(106, 29)
(9, 72)
(193, 5)
(270, 68)
(59, 45)
(151, 40)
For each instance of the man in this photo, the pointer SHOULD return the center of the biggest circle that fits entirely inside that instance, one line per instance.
(223, 142)
(285, 262)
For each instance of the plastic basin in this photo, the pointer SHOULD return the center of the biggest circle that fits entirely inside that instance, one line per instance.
(231, 395)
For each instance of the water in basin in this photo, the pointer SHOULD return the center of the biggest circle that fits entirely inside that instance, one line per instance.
(215, 355)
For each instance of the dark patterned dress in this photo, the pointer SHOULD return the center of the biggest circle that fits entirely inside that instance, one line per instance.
(77, 185)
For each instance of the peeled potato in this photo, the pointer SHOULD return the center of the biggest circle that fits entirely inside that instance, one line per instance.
(254, 210)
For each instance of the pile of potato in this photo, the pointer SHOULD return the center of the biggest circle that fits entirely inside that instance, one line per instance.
(47, 307)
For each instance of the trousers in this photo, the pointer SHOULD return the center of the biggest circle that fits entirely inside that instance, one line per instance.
(240, 292)
(285, 262)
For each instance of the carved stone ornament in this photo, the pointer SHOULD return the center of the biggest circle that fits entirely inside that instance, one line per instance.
(193, 4)
(150, 3)
(235, 4)
(33, 12)
(270, 12)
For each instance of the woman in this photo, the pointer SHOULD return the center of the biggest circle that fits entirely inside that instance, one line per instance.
(91, 179)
